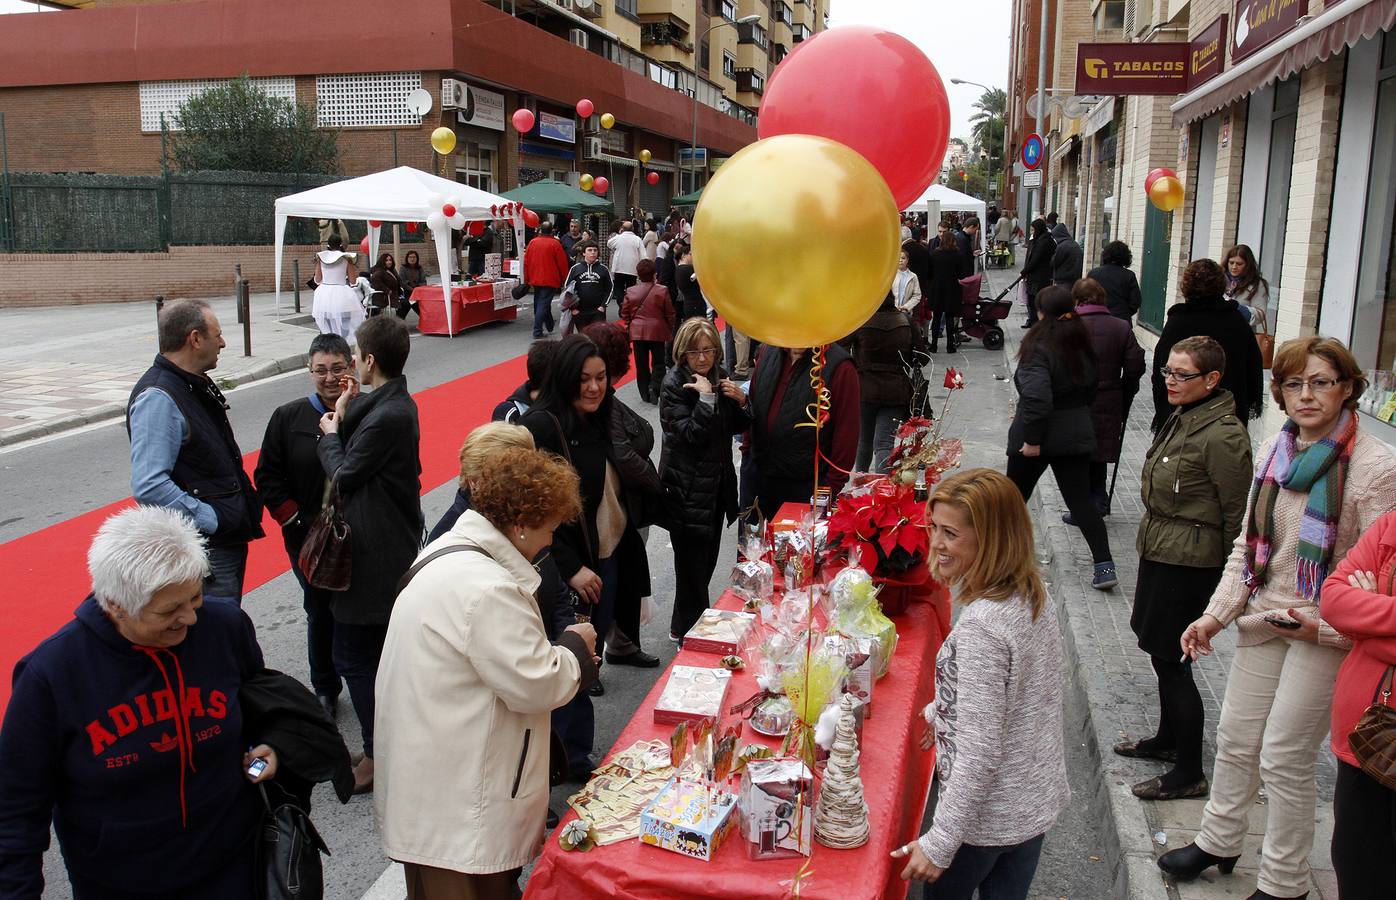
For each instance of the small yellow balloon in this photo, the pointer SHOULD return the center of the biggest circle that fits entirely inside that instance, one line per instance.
(753, 247)
(1166, 193)
(607, 120)
(586, 182)
(645, 156)
(443, 140)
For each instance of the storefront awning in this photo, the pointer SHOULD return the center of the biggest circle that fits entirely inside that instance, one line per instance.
(1341, 25)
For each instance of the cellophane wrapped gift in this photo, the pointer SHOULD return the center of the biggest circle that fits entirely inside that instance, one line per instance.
(858, 653)
(860, 616)
(775, 806)
(753, 580)
(692, 694)
(722, 631)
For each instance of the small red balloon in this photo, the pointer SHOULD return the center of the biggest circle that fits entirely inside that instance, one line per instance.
(363, 245)
(585, 108)
(411, 227)
(531, 218)
(652, 178)
(1155, 175)
(476, 228)
(448, 210)
(601, 184)
(523, 120)
(374, 223)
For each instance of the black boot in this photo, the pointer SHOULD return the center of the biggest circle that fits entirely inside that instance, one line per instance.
(935, 343)
(1186, 863)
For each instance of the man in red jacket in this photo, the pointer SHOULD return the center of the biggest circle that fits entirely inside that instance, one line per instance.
(545, 267)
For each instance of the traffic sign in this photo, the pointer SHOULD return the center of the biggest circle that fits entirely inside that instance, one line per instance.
(1033, 151)
(1032, 178)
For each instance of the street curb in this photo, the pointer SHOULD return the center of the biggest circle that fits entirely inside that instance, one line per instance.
(108, 411)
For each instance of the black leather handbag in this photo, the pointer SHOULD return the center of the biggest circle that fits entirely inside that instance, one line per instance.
(288, 850)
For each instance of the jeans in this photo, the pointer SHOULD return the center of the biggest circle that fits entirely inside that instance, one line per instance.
(876, 427)
(695, 560)
(998, 873)
(226, 566)
(649, 367)
(1364, 834)
(319, 636)
(543, 310)
(1073, 478)
(357, 649)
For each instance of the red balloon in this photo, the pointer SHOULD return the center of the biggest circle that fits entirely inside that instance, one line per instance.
(475, 227)
(374, 223)
(523, 120)
(652, 178)
(601, 184)
(1155, 175)
(531, 218)
(411, 227)
(899, 122)
(363, 245)
(448, 210)
(585, 108)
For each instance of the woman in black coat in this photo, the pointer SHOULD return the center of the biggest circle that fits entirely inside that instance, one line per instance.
(1122, 295)
(1037, 267)
(946, 298)
(1056, 382)
(700, 410)
(383, 278)
(369, 449)
(881, 350)
(1206, 311)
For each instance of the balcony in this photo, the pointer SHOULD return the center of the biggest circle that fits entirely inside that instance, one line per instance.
(753, 33)
(751, 81)
(670, 32)
(781, 12)
(778, 52)
(799, 33)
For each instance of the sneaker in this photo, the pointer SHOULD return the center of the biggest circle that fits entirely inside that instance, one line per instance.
(1105, 577)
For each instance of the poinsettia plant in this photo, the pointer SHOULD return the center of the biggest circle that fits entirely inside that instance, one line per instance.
(919, 444)
(883, 522)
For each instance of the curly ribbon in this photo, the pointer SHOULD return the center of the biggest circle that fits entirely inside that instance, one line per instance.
(817, 412)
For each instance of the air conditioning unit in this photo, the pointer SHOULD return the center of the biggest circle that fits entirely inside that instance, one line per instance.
(588, 7)
(565, 5)
(580, 37)
(452, 93)
(592, 149)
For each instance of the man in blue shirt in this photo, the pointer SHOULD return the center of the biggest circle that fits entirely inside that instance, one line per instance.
(183, 453)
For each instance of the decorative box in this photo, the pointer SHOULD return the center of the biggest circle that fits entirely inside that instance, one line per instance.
(692, 694)
(720, 631)
(775, 806)
(753, 580)
(688, 818)
(860, 654)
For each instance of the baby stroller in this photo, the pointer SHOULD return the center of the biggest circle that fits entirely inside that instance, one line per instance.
(979, 314)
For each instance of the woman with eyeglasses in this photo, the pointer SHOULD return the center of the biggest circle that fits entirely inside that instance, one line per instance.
(412, 277)
(1194, 491)
(699, 409)
(1206, 311)
(1319, 484)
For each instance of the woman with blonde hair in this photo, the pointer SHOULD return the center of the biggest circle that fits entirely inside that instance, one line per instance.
(997, 717)
(467, 665)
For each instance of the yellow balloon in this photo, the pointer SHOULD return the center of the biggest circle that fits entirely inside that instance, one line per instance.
(1166, 193)
(443, 140)
(607, 120)
(586, 181)
(795, 240)
(645, 156)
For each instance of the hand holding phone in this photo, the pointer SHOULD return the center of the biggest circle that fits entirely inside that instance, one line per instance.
(1280, 621)
(255, 770)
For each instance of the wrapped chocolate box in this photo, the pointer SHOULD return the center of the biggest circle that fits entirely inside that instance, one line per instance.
(721, 631)
(775, 806)
(689, 818)
(753, 580)
(860, 654)
(692, 694)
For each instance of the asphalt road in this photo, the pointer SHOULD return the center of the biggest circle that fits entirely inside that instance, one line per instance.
(61, 477)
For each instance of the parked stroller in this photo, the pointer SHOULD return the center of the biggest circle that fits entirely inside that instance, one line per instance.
(979, 314)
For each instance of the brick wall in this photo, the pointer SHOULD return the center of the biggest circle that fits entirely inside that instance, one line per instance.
(84, 128)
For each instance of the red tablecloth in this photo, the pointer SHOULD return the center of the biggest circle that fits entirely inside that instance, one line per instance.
(896, 779)
(470, 306)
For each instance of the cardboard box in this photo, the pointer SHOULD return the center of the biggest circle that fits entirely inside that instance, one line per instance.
(687, 819)
(721, 631)
(775, 806)
(860, 655)
(692, 694)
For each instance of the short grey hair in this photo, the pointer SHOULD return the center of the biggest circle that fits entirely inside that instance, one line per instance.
(139, 551)
(179, 318)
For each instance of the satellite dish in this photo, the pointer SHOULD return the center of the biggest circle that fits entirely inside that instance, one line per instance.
(419, 102)
(1075, 107)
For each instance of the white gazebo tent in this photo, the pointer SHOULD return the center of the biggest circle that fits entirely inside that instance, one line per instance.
(949, 200)
(403, 194)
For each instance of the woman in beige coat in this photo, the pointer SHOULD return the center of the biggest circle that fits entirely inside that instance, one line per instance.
(466, 684)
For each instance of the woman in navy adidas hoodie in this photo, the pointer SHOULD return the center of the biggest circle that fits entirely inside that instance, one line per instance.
(124, 730)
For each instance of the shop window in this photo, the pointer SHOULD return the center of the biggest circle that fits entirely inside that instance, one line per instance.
(1376, 274)
(166, 97)
(475, 166)
(371, 99)
(1281, 166)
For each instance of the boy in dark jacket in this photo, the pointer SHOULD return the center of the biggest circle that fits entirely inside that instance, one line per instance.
(590, 282)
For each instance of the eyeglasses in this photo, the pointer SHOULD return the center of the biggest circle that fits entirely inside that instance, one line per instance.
(700, 354)
(336, 372)
(1295, 386)
(1176, 375)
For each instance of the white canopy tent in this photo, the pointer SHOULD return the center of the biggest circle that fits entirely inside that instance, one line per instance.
(950, 200)
(403, 194)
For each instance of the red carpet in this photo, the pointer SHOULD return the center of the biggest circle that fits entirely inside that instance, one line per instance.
(46, 572)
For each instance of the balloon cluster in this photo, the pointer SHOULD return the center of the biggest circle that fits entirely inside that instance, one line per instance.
(1164, 189)
(837, 158)
(445, 213)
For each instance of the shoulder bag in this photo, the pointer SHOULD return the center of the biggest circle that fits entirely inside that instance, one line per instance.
(1373, 739)
(1267, 348)
(288, 851)
(327, 556)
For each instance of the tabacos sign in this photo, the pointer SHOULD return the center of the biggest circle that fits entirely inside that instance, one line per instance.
(1206, 52)
(1119, 69)
(1258, 22)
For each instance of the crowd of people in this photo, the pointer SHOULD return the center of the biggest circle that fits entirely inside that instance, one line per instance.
(533, 582)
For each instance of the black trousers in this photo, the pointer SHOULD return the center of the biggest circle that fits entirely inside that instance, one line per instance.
(1180, 719)
(997, 873)
(620, 284)
(357, 649)
(1364, 835)
(649, 366)
(1073, 478)
(695, 560)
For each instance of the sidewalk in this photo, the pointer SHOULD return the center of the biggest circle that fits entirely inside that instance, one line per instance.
(63, 367)
(1115, 685)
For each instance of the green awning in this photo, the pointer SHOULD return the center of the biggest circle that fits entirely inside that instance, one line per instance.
(555, 197)
(685, 200)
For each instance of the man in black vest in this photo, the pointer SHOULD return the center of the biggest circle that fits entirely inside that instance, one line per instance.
(183, 453)
(782, 455)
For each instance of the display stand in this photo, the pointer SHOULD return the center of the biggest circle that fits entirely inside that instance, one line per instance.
(470, 306)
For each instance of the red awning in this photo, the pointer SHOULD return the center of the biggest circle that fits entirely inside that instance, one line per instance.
(1336, 28)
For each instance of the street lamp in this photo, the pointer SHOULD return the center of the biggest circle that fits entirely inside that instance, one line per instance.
(989, 165)
(698, 48)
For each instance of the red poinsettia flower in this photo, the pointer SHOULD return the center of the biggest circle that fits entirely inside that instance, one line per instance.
(954, 381)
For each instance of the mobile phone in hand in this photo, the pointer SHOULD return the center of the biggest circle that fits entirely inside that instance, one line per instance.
(257, 767)
(1281, 623)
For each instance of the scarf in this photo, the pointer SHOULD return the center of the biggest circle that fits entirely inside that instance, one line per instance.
(1320, 472)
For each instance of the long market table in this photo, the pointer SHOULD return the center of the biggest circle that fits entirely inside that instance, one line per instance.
(471, 305)
(896, 779)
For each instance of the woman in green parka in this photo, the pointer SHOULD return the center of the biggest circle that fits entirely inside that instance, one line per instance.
(1194, 485)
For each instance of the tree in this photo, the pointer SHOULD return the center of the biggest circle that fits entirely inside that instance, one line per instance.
(236, 126)
(987, 124)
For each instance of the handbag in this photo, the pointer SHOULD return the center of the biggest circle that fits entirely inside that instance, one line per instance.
(1267, 348)
(326, 558)
(1373, 738)
(288, 851)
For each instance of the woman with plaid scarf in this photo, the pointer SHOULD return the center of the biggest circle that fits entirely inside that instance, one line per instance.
(1319, 484)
